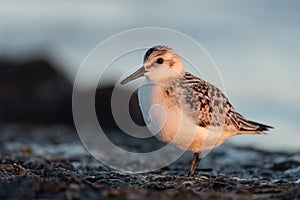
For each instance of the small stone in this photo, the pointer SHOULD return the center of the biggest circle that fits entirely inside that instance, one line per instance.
(25, 149)
(112, 192)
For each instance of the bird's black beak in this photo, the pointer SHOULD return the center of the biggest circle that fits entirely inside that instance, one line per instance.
(139, 73)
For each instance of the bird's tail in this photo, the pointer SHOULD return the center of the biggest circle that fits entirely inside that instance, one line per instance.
(250, 127)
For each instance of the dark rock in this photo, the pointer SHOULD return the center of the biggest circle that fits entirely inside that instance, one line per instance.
(104, 111)
(34, 91)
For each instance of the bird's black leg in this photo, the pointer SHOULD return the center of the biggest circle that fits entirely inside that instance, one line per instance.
(196, 160)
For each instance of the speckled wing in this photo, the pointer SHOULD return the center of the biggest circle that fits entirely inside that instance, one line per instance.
(210, 107)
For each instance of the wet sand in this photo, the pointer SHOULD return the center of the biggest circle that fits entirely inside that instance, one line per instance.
(47, 162)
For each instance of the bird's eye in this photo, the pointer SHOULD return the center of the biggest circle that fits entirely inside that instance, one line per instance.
(160, 60)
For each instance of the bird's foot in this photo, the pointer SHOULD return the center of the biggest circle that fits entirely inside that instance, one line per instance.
(196, 160)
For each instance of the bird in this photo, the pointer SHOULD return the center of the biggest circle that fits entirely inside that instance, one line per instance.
(196, 115)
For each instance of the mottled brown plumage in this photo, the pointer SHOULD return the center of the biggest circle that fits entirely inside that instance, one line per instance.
(198, 115)
(210, 107)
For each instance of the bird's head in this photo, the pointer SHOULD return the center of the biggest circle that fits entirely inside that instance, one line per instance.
(161, 63)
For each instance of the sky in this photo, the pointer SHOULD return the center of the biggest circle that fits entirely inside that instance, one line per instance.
(255, 45)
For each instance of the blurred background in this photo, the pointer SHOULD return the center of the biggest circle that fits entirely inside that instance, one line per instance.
(255, 45)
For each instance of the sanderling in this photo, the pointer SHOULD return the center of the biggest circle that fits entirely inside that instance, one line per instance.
(198, 116)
